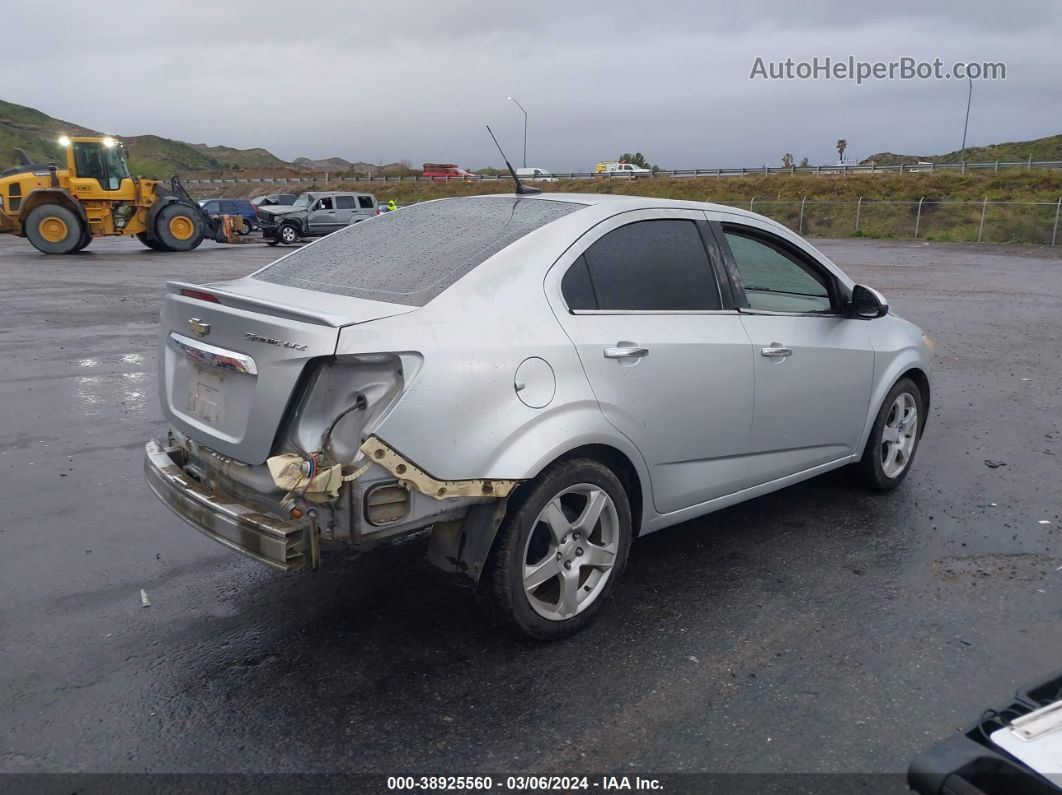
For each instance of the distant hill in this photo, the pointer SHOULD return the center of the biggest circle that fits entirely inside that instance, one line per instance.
(149, 155)
(333, 164)
(33, 131)
(1049, 148)
(242, 158)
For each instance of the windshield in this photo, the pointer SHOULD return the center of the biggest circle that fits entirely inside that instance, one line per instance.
(302, 201)
(105, 164)
(411, 255)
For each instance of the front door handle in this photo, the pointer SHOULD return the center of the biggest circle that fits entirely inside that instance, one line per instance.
(626, 352)
(775, 350)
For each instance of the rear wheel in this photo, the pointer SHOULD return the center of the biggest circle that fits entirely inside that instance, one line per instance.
(177, 227)
(54, 229)
(894, 438)
(245, 227)
(559, 553)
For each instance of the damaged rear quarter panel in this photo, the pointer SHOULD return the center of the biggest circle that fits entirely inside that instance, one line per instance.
(461, 418)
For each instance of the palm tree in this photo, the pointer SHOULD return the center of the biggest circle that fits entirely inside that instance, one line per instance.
(842, 144)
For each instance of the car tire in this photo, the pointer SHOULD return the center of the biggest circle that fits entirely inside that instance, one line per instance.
(272, 241)
(560, 550)
(287, 234)
(178, 227)
(245, 228)
(54, 229)
(894, 437)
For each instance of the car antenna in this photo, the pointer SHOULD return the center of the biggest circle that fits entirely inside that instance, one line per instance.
(521, 189)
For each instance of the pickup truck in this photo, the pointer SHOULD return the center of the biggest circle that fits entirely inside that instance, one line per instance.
(619, 167)
(314, 214)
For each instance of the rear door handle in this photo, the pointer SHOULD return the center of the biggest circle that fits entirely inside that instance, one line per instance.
(626, 352)
(774, 350)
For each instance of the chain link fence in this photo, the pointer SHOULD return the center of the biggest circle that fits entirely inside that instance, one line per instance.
(962, 221)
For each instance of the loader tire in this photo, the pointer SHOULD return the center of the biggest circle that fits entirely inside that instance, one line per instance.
(150, 242)
(86, 238)
(54, 229)
(178, 228)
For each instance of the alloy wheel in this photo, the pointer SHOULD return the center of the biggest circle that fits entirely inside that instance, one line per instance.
(899, 435)
(570, 552)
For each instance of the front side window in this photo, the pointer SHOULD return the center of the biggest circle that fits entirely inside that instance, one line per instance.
(655, 266)
(775, 279)
(325, 204)
(105, 164)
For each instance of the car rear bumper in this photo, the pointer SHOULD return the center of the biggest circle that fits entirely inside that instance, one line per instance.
(260, 536)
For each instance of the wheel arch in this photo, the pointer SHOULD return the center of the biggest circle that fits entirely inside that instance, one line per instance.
(623, 467)
(911, 364)
(50, 196)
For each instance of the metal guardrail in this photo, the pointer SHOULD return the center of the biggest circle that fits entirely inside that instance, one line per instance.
(962, 168)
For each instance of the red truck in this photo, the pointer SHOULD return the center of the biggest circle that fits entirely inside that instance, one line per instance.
(445, 171)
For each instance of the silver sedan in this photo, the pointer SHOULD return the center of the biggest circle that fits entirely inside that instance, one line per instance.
(534, 380)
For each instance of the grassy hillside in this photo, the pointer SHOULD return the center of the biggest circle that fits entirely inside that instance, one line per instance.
(1007, 185)
(154, 156)
(149, 155)
(1049, 148)
(240, 159)
(33, 131)
(951, 210)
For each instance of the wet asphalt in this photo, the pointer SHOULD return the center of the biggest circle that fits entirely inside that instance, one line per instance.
(818, 629)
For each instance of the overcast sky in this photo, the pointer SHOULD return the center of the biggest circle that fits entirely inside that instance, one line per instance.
(389, 80)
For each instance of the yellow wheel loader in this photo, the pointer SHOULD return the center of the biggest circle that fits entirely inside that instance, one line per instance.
(60, 210)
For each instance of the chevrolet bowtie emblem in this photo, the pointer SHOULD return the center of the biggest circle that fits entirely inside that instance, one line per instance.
(198, 328)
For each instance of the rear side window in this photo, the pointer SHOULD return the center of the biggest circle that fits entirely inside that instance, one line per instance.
(412, 255)
(365, 202)
(344, 202)
(658, 265)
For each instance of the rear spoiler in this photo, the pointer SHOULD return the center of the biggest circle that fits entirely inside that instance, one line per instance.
(240, 301)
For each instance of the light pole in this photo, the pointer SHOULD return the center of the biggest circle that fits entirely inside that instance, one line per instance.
(969, 98)
(521, 107)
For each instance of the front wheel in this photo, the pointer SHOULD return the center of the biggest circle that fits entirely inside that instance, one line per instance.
(894, 437)
(288, 234)
(560, 550)
(177, 227)
(149, 241)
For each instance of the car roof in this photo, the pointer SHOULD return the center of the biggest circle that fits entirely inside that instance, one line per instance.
(622, 202)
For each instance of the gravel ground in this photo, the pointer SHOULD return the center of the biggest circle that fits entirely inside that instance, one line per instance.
(820, 629)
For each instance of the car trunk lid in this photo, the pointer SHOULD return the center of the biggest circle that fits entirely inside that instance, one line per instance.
(231, 355)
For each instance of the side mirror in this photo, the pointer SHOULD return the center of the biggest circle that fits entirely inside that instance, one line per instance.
(867, 303)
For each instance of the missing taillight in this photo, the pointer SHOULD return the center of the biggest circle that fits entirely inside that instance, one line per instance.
(199, 295)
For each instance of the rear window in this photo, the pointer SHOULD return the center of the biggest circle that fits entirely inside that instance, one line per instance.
(411, 255)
